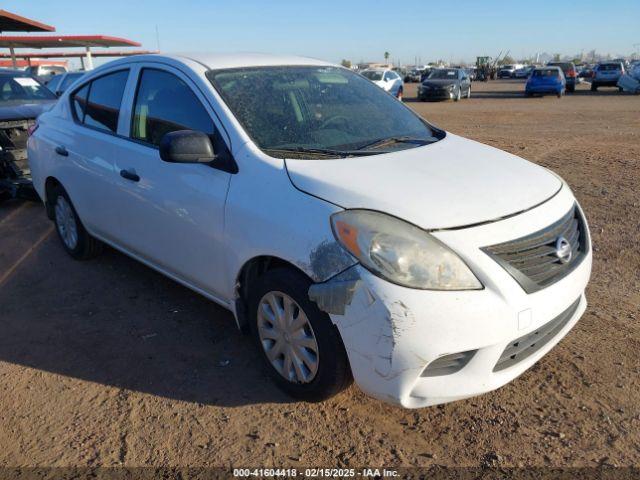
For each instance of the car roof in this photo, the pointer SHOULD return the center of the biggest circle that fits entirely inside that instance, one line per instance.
(15, 73)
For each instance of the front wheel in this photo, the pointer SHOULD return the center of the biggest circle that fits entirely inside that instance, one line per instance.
(74, 237)
(458, 96)
(300, 345)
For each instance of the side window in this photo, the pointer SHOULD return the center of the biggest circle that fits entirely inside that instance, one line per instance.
(105, 97)
(164, 104)
(79, 102)
(387, 76)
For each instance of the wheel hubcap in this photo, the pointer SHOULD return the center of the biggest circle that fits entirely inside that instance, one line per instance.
(66, 223)
(287, 338)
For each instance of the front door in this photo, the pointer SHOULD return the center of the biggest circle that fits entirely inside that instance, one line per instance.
(172, 215)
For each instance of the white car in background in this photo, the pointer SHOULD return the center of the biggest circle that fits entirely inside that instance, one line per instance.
(388, 80)
(346, 233)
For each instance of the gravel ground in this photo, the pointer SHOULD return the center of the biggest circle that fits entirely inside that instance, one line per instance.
(109, 363)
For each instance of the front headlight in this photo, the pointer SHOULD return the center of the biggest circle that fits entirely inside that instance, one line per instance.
(400, 252)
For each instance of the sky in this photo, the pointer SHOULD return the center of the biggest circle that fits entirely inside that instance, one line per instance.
(357, 30)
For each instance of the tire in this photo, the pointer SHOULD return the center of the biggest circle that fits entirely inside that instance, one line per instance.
(399, 95)
(594, 87)
(620, 89)
(469, 92)
(458, 96)
(74, 237)
(332, 372)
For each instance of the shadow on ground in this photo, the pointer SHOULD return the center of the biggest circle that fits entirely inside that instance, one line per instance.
(114, 321)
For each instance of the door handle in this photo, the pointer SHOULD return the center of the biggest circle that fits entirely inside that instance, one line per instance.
(130, 175)
(61, 150)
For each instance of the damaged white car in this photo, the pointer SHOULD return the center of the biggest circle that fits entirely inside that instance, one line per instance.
(348, 235)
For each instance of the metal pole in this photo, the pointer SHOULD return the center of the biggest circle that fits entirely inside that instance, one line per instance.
(13, 57)
(89, 59)
(82, 62)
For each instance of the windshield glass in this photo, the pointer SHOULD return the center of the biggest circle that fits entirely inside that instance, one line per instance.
(372, 75)
(312, 107)
(448, 73)
(20, 88)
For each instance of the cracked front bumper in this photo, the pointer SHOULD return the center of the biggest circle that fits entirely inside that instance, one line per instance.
(392, 333)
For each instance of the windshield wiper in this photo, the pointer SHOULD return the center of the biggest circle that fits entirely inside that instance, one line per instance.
(390, 140)
(320, 151)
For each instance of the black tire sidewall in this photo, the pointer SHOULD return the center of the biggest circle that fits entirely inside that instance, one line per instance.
(333, 369)
(83, 248)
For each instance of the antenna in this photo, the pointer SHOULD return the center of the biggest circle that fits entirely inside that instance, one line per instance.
(157, 38)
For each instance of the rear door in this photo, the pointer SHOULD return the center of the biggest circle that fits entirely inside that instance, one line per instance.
(171, 214)
(86, 145)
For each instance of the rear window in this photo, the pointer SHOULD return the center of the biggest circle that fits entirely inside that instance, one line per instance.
(546, 72)
(373, 76)
(563, 66)
(608, 67)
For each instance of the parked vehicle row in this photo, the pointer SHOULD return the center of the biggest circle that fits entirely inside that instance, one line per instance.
(347, 234)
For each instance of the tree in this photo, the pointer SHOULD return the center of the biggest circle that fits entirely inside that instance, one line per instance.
(346, 63)
(506, 60)
(386, 57)
(556, 57)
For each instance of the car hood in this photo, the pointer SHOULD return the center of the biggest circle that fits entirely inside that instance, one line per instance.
(24, 110)
(440, 82)
(451, 183)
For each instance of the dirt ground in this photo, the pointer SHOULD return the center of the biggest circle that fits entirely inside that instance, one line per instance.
(109, 363)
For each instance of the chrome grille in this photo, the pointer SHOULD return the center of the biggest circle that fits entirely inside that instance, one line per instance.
(534, 261)
(528, 344)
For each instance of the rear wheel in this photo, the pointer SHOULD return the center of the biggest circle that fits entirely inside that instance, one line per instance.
(298, 342)
(74, 237)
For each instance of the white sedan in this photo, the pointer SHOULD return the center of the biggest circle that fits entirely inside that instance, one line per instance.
(349, 236)
(388, 80)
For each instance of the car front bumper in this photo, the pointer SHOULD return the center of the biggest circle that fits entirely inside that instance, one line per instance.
(436, 94)
(393, 333)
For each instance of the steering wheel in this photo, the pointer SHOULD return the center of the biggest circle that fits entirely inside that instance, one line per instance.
(334, 119)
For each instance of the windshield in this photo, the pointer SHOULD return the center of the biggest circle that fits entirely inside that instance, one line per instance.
(21, 88)
(448, 73)
(372, 75)
(311, 107)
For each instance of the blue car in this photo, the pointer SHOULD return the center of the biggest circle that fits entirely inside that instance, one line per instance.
(546, 80)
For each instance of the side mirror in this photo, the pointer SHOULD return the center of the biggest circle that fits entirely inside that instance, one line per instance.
(186, 146)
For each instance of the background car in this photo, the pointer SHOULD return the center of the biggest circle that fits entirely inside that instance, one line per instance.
(546, 80)
(444, 84)
(59, 83)
(22, 99)
(606, 74)
(44, 73)
(413, 76)
(388, 80)
(569, 71)
(506, 71)
(523, 72)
